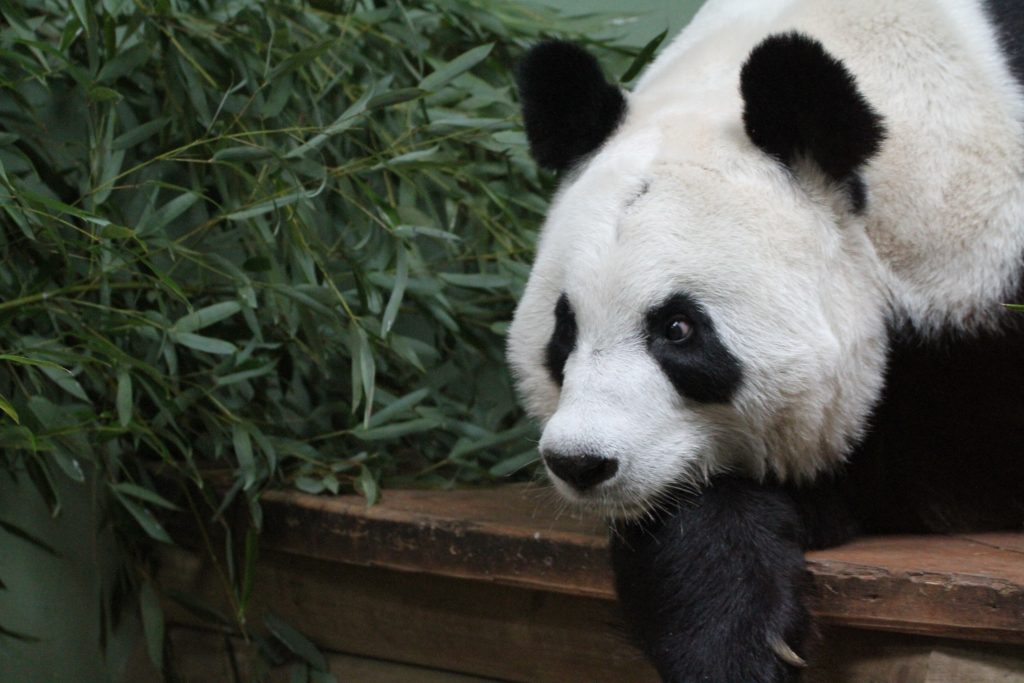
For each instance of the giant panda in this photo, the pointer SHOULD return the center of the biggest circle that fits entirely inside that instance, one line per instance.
(766, 311)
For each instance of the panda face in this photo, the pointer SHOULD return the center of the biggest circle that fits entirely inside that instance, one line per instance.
(704, 296)
(693, 309)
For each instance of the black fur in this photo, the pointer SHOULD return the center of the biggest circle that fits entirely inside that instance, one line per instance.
(708, 583)
(701, 368)
(951, 417)
(562, 342)
(945, 450)
(568, 107)
(704, 582)
(825, 513)
(943, 453)
(1008, 18)
(857, 192)
(707, 586)
(801, 101)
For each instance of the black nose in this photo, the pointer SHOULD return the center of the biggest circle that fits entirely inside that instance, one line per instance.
(581, 471)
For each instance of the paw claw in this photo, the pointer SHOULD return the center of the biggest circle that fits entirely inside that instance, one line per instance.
(786, 654)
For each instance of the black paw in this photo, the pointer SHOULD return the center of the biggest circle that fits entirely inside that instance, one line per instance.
(714, 587)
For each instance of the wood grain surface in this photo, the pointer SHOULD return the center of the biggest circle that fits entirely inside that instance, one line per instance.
(969, 586)
(507, 584)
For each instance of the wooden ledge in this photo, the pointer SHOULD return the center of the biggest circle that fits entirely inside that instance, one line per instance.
(510, 535)
(969, 586)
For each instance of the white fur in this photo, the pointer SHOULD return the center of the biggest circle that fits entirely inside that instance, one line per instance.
(799, 288)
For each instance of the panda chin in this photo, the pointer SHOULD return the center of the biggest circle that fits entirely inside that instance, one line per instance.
(620, 502)
(610, 508)
(626, 510)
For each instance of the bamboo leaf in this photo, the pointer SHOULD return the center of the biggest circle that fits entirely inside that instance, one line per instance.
(124, 400)
(139, 134)
(206, 316)
(39, 473)
(273, 204)
(243, 451)
(399, 406)
(476, 280)
(518, 462)
(200, 608)
(415, 157)
(9, 410)
(397, 293)
(124, 63)
(152, 624)
(201, 343)
(309, 485)
(244, 375)
(249, 567)
(116, 232)
(398, 429)
(22, 360)
(167, 213)
(643, 57)
(340, 125)
(455, 68)
(31, 539)
(299, 59)
(82, 13)
(143, 494)
(367, 373)
(367, 485)
(145, 519)
(408, 231)
(296, 642)
(65, 381)
(248, 241)
(242, 154)
(69, 464)
(17, 635)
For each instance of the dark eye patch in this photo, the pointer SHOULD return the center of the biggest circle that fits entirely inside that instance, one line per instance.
(562, 342)
(699, 366)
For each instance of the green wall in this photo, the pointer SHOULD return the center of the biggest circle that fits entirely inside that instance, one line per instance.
(56, 599)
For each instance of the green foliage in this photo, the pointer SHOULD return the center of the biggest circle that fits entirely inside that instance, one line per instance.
(258, 238)
(250, 243)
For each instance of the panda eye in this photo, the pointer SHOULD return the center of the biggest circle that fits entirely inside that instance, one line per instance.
(678, 329)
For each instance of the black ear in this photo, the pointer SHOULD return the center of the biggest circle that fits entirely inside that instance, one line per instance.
(800, 100)
(568, 106)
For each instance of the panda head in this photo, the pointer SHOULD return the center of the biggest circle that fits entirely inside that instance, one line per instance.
(703, 297)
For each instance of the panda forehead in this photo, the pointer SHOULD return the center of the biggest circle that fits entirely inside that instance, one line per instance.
(671, 215)
(662, 243)
(615, 296)
(613, 283)
(693, 152)
(658, 212)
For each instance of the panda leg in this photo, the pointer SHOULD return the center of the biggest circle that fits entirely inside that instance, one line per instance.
(714, 587)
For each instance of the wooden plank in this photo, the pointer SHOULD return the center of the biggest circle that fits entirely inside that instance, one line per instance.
(1007, 541)
(984, 556)
(476, 628)
(510, 535)
(959, 664)
(436, 626)
(851, 656)
(947, 586)
(969, 586)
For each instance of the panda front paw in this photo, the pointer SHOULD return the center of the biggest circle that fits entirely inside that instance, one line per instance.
(714, 587)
